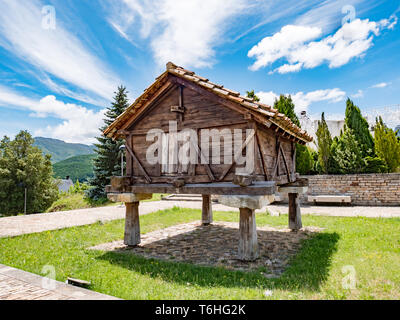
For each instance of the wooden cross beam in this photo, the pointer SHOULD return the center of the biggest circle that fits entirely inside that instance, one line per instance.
(147, 177)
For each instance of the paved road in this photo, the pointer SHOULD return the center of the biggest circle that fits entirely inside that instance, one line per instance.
(13, 226)
(21, 285)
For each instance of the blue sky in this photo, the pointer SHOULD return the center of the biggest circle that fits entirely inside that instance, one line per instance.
(61, 60)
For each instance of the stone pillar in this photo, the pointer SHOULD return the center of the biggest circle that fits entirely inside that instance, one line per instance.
(206, 214)
(132, 225)
(294, 212)
(248, 244)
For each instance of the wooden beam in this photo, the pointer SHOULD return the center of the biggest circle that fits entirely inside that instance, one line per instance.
(278, 159)
(285, 163)
(248, 245)
(139, 164)
(201, 155)
(294, 212)
(225, 172)
(132, 225)
(206, 213)
(257, 188)
(260, 151)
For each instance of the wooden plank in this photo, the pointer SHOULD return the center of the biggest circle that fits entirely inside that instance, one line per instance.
(206, 213)
(132, 225)
(225, 172)
(248, 244)
(139, 164)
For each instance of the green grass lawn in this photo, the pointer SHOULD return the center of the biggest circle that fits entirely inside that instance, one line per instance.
(371, 246)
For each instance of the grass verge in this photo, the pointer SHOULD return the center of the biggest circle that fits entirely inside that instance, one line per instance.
(370, 246)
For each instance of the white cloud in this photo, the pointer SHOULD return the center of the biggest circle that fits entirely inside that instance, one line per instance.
(185, 32)
(381, 85)
(293, 43)
(303, 100)
(359, 94)
(79, 124)
(281, 44)
(56, 52)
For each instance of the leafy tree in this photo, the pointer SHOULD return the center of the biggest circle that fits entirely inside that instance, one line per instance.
(252, 95)
(359, 126)
(23, 166)
(375, 165)
(107, 162)
(324, 144)
(286, 106)
(387, 147)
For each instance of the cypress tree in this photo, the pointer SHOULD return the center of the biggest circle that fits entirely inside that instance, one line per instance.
(387, 147)
(107, 163)
(360, 128)
(324, 144)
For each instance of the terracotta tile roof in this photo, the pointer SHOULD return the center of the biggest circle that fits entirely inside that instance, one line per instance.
(269, 113)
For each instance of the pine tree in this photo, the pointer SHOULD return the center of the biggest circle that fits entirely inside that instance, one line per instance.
(324, 144)
(23, 166)
(387, 147)
(107, 162)
(359, 126)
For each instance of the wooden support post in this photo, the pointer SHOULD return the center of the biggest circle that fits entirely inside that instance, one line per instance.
(206, 214)
(248, 245)
(294, 212)
(132, 226)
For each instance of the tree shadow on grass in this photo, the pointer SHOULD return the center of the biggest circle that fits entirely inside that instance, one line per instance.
(307, 269)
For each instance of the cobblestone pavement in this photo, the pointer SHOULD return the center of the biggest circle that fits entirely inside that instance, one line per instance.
(21, 285)
(217, 245)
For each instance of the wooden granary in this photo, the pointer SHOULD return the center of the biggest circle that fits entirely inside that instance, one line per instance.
(187, 135)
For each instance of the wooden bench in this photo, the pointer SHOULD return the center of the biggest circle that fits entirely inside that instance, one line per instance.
(329, 199)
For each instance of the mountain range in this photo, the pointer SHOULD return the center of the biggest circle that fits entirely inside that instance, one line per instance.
(61, 150)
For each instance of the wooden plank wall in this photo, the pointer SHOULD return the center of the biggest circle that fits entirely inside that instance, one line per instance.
(201, 113)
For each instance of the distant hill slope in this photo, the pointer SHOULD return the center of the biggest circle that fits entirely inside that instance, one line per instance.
(60, 150)
(77, 168)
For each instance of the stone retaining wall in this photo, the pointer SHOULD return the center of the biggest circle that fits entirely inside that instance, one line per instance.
(364, 189)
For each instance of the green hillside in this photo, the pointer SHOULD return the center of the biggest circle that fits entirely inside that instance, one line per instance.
(60, 150)
(78, 167)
